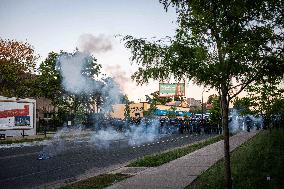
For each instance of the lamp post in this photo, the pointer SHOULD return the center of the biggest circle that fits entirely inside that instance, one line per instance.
(202, 109)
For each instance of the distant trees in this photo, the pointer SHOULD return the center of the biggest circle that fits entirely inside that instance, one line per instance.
(101, 93)
(243, 105)
(17, 66)
(215, 111)
(160, 100)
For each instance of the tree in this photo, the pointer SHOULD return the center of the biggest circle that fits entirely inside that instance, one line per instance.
(219, 44)
(215, 111)
(50, 84)
(243, 105)
(263, 95)
(49, 79)
(211, 98)
(160, 100)
(127, 108)
(172, 112)
(17, 66)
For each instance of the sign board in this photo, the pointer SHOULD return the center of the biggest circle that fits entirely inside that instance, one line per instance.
(171, 89)
(16, 114)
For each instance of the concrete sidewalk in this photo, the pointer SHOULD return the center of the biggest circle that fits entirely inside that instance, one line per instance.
(182, 171)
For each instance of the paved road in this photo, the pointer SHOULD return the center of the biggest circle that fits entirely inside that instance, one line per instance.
(21, 168)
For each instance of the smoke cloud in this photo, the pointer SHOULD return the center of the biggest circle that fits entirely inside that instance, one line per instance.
(94, 44)
(119, 75)
(239, 123)
(71, 71)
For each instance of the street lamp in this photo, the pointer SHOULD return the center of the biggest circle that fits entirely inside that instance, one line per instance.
(202, 109)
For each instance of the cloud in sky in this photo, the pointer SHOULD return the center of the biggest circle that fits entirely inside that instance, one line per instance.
(94, 44)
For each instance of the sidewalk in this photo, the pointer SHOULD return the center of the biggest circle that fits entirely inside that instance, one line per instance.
(182, 171)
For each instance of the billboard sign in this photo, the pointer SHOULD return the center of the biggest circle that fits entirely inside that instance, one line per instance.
(171, 89)
(16, 115)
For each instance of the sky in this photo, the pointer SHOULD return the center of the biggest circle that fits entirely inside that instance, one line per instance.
(54, 25)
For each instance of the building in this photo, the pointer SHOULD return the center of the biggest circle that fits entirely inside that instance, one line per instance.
(137, 109)
(193, 103)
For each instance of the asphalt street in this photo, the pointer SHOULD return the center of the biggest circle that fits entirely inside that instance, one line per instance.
(21, 167)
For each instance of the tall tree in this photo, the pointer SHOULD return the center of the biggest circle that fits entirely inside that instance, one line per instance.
(49, 79)
(17, 66)
(220, 44)
(263, 95)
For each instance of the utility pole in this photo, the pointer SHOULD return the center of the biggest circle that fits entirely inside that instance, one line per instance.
(202, 108)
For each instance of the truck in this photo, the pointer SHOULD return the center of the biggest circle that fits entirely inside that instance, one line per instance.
(17, 117)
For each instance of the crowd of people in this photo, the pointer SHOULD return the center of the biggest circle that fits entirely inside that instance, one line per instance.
(165, 125)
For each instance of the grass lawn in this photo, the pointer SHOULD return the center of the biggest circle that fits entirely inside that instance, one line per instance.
(97, 182)
(252, 163)
(24, 140)
(165, 157)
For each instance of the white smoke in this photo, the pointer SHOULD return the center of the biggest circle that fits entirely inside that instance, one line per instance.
(134, 135)
(119, 75)
(94, 44)
(58, 143)
(71, 67)
(238, 123)
(143, 133)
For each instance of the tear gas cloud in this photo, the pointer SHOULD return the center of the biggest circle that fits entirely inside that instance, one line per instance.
(61, 141)
(119, 75)
(71, 71)
(71, 66)
(238, 123)
(71, 137)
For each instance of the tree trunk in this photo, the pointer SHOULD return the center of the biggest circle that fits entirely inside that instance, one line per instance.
(225, 116)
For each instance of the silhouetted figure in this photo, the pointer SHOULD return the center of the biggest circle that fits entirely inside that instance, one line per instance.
(248, 123)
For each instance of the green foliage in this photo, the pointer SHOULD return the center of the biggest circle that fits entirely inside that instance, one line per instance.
(49, 78)
(172, 112)
(49, 84)
(97, 182)
(243, 105)
(215, 43)
(264, 94)
(277, 107)
(127, 108)
(211, 98)
(153, 106)
(22, 140)
(17, 66)
(215, 111)
(160, 100)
